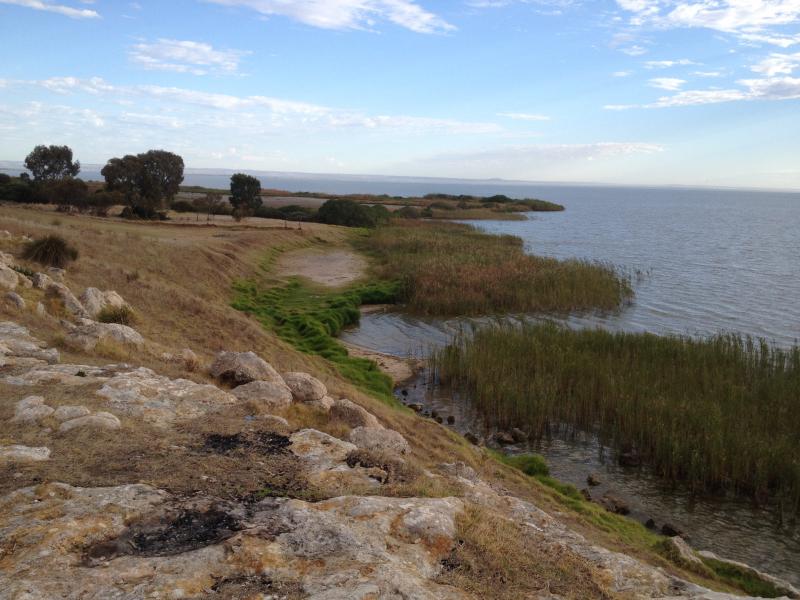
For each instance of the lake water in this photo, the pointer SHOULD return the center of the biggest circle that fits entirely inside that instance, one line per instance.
(713, 261)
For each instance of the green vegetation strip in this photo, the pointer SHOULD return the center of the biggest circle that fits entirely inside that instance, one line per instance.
(453, 269)
(310, 320)
(719, 413)
(633, 532)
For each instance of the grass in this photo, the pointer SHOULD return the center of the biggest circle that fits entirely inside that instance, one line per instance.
(51, 251)
(720, 413)
(124, 315)
(453, 269)
(743, 579)
(494, 559)
(310, 321)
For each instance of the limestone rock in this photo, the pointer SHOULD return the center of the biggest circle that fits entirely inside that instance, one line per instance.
(67, 413)
(324, 404)
(353, 415)
(71, 304)
(161, 400)
(783, 587)
(681, 553)
(41, 281)
(56, 274)
(15, 300)
(66, 374)
(323, 451)
(94, 301)
(345, 548)
(16, 341)
(305, 388)
(185, 357)
(100, 420)
(22, 454)
(24, 281)
(239, 368)
(30, 410)
(271, 396)
(379, 440)
(8, 277)
(86, 336)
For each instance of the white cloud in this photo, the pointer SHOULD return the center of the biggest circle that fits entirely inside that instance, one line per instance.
(634, 50)
(778, 64)
(732, 16)
(349, 14)
(622, 73)
(185, 56)
(666, 64)
(671, 84)
(707, 73)
(267, 112)
(523, 116)
(67, 11)
(774, 39)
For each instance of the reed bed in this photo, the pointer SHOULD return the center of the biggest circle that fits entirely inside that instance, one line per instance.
(719, 413)
(453, 269)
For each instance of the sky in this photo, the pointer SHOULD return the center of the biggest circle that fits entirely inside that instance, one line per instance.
(681, 92)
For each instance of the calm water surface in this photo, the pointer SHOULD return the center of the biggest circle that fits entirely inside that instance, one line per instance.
(713, 261)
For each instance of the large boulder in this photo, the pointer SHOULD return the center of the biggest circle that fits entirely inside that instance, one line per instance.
(353, 415)
(305, 388)
(379, 440)
(8, 277)
(239, 368)
(95, 301)
(87, 335)
(267, 394)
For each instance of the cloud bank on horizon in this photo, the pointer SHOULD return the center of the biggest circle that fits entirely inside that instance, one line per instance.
(616, 91)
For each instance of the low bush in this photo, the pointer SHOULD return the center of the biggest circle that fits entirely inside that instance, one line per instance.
(51, 251)
(123, 315)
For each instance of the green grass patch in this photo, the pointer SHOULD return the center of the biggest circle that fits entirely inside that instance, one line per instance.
(719, 413)
(530, 464)
(743, 579)
(453, 269)
(310, 320)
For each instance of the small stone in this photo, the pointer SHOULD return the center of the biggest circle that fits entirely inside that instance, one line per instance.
(101, 420)
(379, 440)
(352, 414)
(56, 273)
(593, 480)
(471, 438)
(31, 410)
(519, 435)
(650, 524)
(41, 281)
(670, 530)
(16, 300)
(325, 404)
(416, 407)
(305, 388)
(66, 413)
(451, 420)
(615, 504)
(16, 453)
(504, 438)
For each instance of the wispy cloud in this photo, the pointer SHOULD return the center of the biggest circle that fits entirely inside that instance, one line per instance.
(61, 9)
(349, 14)
(671, 84)
(185, 56)
(666, 64)
(518, 116)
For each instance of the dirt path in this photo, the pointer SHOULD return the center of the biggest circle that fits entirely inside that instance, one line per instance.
(332, 268)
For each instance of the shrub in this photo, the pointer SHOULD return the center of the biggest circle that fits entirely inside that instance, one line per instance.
(530, 464)
(345, 212)
(143, 212)
(182, 206)
(407, 212)
(52, 251)
(123, 315)
(4, 179)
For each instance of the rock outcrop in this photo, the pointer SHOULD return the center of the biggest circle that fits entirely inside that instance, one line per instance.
(94, 301)
(88, 334)
(379, 440)
(304, 387)
(352, 414)
(267, 394)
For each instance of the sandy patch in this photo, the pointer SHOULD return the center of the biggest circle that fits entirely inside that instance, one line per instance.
(332, 268)
(399, 369)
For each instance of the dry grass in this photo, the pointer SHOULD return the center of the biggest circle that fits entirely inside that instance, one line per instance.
(494, 558)
(179, 279)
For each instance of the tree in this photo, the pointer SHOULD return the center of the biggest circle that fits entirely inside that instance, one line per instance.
(245, 195)
(51, 163)
(146, 180)
(68, 193)
(210, 204)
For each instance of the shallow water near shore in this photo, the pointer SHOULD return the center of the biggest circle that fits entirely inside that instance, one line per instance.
(714, 261)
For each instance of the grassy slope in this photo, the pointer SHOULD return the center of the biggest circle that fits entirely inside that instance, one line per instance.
(181, 279)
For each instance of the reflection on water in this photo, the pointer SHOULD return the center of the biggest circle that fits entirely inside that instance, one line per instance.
(731, 527)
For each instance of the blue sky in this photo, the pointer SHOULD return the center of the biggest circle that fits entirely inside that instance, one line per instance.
(702, 92)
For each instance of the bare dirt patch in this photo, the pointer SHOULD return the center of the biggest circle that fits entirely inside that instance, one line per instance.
(331, 268)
